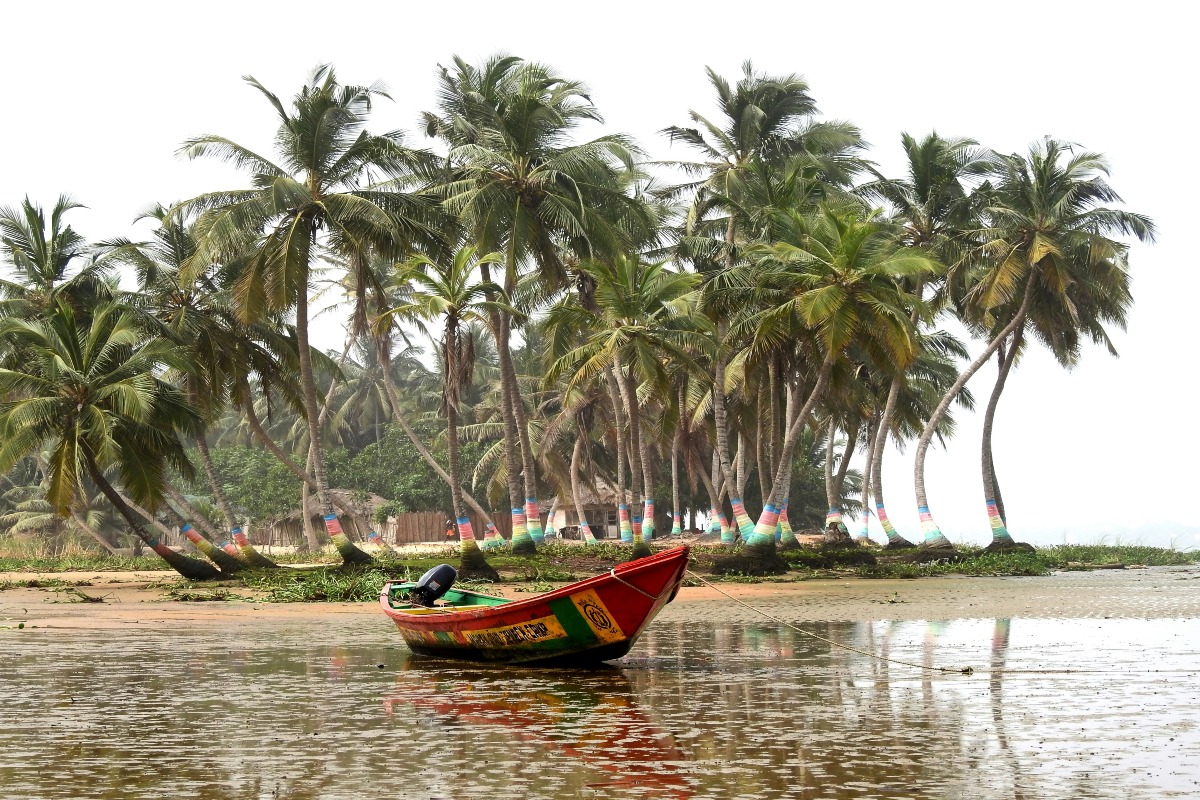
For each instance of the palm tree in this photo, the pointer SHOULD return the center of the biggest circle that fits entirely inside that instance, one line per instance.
(1045, 228)
(450, 293)
(41, 253)
(319, 198)
(520, 186)
(89, 390)
(836, 283)
(645, 318)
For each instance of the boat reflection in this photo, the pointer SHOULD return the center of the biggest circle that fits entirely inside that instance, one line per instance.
(590, 719)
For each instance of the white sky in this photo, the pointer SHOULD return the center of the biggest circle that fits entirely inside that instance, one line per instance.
(100, 95)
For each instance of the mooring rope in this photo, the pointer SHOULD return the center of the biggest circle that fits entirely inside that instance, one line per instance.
(958, 670)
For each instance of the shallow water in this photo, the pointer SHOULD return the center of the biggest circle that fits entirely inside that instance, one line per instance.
(1054, 709)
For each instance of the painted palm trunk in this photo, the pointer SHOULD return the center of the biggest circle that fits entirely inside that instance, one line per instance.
(520, 531)
(333, 527)
(933, 534)
(623, 521)
(745, 525)
(586, 622)
(728, 534)
(247, 550)
(1000, 533)
(533, 516)
(585, 532)
(648, 519)
(492, 537)
(764, 530)
(676, 526)
(786, 534)
(833, 516)
(715, 523)
(889, 530)
(205, 547)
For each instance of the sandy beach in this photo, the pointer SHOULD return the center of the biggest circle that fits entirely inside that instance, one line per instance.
(139, 598)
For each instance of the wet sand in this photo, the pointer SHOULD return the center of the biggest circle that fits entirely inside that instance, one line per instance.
(139, 598)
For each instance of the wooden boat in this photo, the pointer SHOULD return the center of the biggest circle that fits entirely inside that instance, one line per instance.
(584, 623)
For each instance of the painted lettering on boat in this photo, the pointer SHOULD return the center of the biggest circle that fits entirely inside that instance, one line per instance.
(537, 630)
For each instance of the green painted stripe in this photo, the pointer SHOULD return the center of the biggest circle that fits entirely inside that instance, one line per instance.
(572, 621)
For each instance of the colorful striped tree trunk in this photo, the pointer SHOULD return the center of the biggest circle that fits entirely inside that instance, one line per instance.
(676, 520)
(833, 516)
(745, 525)
(585, 532)
(728, 536)
(220, 557)
(341, 542)
(491, 536)
(933, 534)
(715, 524)
(520, 531)
(787, 537)
(252, 556)
(1000, 534)
(533, 517)
(648, 519)
(763, 533)
(623, 522)
(894, 538)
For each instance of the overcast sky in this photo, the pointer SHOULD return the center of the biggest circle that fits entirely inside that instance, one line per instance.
(100, 95)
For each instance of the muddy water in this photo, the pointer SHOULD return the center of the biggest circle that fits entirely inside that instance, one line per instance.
(275, 709)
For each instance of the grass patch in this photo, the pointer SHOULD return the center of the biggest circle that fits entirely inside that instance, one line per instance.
(41, 583)
(187, 595)
(89, 563)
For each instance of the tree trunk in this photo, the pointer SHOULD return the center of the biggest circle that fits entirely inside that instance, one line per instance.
(760, 427)
(228, 562)
(1001, 538)
(585, 531)
(894, 540)
(614, 397)
(310, 533)
(471, 563)
(190, 568)
(832, 514)
(398, 416)
(676, 447)
(841, 536)
(864, 536)
(95, 534)
(346, 549)
(640, 548)
(933, 534)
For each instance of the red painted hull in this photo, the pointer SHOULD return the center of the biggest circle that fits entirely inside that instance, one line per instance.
(586, 622)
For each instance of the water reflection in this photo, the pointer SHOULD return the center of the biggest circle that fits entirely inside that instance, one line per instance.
(1055, 709)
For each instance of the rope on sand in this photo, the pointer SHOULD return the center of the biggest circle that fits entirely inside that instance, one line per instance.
(710, 584)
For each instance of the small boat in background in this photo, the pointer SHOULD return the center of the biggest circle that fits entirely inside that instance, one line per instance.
(588, 622)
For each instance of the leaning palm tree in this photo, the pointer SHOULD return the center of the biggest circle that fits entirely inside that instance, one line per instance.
(521, 186)
(1045, 227)
(318, 198)
(449, 293)
(89, 390)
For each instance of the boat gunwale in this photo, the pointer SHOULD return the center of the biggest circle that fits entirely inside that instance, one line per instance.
(473, 613)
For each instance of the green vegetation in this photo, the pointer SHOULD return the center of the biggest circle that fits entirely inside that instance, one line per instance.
(738, 327)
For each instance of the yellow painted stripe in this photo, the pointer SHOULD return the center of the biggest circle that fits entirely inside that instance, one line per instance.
(598, 617)
(542, 629)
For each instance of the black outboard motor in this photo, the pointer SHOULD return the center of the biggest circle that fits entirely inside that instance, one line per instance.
(433, 585)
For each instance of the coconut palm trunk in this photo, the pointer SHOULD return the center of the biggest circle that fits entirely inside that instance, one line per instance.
(233, 560)
(640, 548)
(350, 553)
(248, 551)
(522, 542)
(835, 529)
(108, 546)
(228, 563)
(471, 563)
(894, 540)
(585, 531)
(760, 546)
(676, 447)
(190, 568)
(614, 397)
(864, 536)
(1001, 538)
(933, 534)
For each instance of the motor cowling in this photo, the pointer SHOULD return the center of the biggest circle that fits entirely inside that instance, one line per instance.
(432, 585)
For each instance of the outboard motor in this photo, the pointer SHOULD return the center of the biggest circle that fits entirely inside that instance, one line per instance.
(433, 585)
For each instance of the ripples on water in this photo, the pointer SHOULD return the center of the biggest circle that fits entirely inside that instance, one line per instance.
(277, 710)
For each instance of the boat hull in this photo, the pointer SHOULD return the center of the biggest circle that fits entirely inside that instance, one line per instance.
(588, 622)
